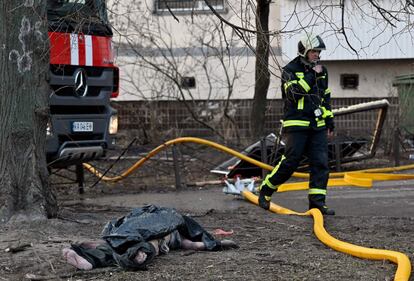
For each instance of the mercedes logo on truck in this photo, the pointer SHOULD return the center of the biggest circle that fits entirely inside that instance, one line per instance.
(81, 87)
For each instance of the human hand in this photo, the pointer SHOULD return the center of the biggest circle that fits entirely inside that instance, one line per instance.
(140, 257)
(330, 134)
(318, 68)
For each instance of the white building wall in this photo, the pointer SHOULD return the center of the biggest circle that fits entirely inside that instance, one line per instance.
(173, 44)
(376, 64)
(382, 50)
(370, 35)
(375, 77)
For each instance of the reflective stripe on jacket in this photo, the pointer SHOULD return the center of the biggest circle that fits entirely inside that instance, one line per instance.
(306, 97)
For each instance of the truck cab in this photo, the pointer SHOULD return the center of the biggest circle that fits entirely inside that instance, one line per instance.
(83, 79)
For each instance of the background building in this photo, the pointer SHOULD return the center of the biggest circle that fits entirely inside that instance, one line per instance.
(364, 60)
(184, 71)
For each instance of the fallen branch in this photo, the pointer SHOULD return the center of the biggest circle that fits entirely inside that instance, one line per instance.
(18, 248)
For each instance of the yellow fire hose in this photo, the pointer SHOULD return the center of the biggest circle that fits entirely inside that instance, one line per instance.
(362, 178)
(348, 179)
(403, 263)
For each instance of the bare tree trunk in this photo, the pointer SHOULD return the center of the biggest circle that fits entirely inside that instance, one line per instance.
(24, 63)
(257, 117)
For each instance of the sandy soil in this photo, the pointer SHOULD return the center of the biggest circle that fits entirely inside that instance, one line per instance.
(272, 247)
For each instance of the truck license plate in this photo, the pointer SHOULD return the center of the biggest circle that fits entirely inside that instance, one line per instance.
(82, 127)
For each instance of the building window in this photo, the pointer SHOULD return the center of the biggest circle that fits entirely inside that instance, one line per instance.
(188, 82)
(349, 81)
(187, 6)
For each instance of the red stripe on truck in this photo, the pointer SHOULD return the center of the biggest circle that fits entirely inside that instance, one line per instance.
(99, 54)
(59, 48)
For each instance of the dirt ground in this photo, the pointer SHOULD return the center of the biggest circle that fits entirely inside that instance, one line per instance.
(272, 247)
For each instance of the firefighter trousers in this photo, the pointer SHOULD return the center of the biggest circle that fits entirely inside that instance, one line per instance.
(314, 145)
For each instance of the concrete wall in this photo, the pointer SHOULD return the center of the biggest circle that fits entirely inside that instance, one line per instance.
(375, 77)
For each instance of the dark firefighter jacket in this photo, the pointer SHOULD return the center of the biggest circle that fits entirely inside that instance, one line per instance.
(306, 97)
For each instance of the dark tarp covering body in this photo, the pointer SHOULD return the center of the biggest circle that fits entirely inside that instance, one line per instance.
(128, 234)
(140, 225)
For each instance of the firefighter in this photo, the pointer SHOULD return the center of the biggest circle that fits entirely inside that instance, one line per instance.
(307, 124)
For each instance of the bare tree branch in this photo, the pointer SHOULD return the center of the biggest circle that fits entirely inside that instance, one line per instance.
(238, 28)
(171, 12)
(384, 13)
(342, 30)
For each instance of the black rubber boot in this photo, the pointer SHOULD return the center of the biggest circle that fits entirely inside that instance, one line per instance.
(318, 201)
(265, 195)
(326, 211)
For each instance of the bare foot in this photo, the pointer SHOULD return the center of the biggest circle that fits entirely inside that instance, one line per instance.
(75, 260)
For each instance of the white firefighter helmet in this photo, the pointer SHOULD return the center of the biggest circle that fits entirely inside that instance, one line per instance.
(310, 42)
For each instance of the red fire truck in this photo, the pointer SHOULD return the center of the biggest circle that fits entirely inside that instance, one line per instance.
(83, 79)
